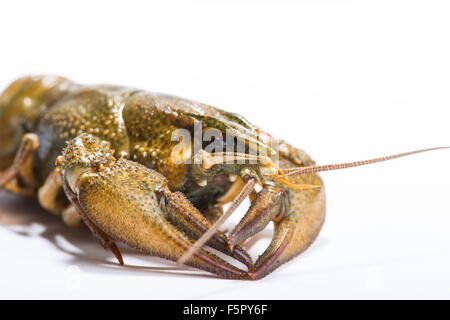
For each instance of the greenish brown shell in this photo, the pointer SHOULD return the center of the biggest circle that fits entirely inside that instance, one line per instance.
(139, 126)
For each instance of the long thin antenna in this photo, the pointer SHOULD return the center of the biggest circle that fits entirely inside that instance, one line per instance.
(246, 190)
(311, 169)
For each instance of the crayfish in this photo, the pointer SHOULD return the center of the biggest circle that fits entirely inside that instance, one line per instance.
(123, 162)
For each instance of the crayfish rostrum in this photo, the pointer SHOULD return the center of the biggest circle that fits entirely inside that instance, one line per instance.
(112, 158)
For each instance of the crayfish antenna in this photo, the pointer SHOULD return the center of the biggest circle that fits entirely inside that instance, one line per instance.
(329, 167)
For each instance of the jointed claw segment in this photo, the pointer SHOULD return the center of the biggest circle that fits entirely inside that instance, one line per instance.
(128, 202)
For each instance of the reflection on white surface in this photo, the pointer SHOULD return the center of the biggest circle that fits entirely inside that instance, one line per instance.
(364, 251)
(73, 277)
(374, 277)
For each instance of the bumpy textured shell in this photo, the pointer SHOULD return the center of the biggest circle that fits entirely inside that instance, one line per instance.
(139, 125)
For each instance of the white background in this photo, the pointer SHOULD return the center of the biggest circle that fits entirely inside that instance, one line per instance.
(343, 80)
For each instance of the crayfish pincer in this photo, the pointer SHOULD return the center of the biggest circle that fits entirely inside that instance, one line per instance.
(154, 172)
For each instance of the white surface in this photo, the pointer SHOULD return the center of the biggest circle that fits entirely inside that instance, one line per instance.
(343, 80)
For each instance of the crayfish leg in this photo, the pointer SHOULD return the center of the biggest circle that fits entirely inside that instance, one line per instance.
(48, 193)
(22, 163)
(48, 197)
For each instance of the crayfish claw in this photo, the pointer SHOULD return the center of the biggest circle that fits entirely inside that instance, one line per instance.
(267, 205)
(295, 229)
(181, 212)
(128, 202)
